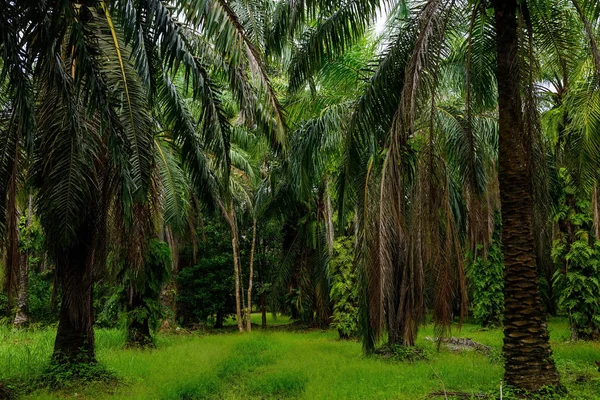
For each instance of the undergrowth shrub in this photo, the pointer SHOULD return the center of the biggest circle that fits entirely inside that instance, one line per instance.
(63, 376)
(43, 308)
(576, 255)
(398, 352)
(344, 288)
(578, 282)
(486, 281)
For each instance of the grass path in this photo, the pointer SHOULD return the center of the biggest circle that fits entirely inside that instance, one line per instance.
(280, 364)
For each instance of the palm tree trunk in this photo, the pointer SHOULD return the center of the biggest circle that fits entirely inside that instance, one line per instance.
(249, 320)
(75, 335)
(529, 364)
(22, 317)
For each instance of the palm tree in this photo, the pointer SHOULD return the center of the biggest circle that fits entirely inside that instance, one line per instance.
(96, 70)
(529, 364)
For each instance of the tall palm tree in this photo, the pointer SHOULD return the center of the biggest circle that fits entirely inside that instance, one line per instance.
(529, 364)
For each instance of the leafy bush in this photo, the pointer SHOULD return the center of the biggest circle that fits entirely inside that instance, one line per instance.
(344, 288)
(61, 376)
(398, 352)
(137, 294)
(578, 283)
(107, 305)
(42, 307)
(486, 278)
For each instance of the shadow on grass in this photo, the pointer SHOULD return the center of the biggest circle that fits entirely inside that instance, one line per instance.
(231, 374)
(203, 387)
(278, 385)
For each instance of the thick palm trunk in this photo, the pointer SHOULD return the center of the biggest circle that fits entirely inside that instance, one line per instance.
(529, 364)
(138, 333)
(248, 319)
(75, 335)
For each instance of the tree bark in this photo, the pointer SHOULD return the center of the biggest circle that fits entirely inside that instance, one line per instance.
(263, 299)
(235, 243)
(248, 319)
(22, 315)
(138, 333)
(75, 335)
(528, 357)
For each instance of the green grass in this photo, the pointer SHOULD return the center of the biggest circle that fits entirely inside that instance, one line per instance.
(256, 319)
(281, 364)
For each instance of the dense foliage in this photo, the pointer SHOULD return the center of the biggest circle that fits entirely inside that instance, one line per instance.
(576, 253)
(344, 288)
(485, 275)
(205, 290)
(366, 165)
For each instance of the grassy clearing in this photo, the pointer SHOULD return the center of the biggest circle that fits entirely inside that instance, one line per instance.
(280, 364)
(256, 319)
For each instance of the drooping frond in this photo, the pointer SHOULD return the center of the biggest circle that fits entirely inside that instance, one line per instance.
(174, 187)
(334, 34)
(220, 23)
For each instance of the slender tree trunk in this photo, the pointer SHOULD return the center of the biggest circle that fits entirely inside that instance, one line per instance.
(249, 320)
(13, 257)
(529, 364)
(329, 226)
(75, 335)
(263, 300)
(235, 242)
(22, 317)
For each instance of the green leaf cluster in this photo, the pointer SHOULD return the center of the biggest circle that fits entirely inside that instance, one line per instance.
(576, 255)
(486, 278)
(344, 288)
